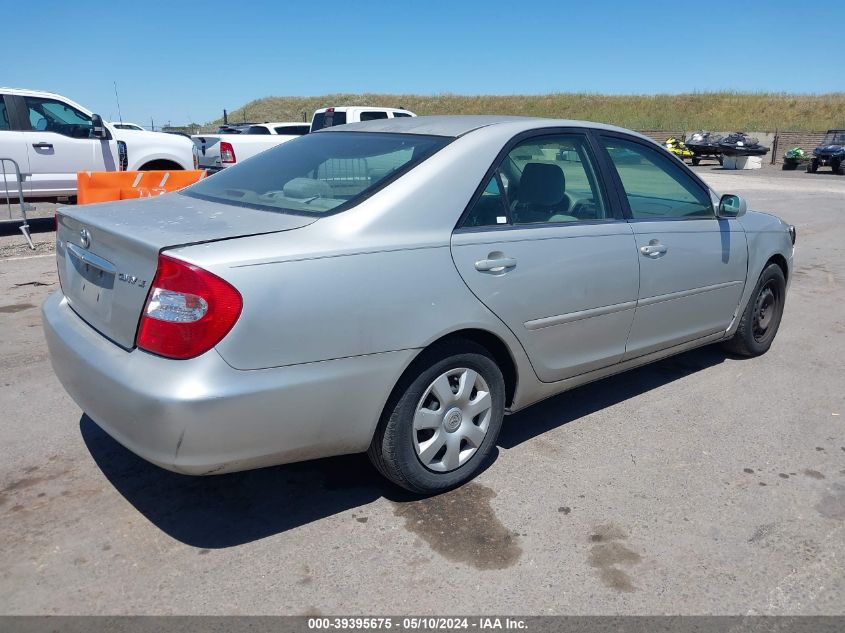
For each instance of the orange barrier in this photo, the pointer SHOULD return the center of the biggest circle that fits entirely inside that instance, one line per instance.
(105, 186)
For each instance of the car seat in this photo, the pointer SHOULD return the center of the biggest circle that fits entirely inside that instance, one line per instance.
(541, 195)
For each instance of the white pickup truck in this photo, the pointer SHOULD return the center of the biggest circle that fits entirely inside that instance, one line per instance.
(329, 117)
(216, 151)
(51, 138)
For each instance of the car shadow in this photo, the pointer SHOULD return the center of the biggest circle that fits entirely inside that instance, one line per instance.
(577, 403)
(223, 511)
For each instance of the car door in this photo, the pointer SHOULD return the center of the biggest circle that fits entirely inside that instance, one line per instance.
(544, 248)
(692, 265)
(60, 143)
(12, 146)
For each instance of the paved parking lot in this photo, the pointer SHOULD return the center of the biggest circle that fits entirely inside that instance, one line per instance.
(703, 484)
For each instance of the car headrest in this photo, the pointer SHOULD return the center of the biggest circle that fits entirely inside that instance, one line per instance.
(301, 188)
(542, 184)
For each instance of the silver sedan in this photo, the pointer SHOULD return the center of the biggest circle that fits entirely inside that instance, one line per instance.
(396, 287)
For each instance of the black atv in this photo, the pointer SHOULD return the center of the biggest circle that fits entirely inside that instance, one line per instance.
(830, 152)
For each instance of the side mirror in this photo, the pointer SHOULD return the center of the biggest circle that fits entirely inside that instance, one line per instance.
(99, 129)
(732, 206)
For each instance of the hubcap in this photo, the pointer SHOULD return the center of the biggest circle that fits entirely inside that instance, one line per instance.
(452, 419)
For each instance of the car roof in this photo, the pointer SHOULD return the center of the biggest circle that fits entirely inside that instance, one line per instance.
(458, 125)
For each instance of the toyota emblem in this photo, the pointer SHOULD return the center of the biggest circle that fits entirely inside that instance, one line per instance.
(85, 238)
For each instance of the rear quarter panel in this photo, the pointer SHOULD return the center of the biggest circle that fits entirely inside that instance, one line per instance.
(324, 308)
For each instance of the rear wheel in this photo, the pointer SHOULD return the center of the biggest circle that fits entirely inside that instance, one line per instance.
(761, 318)
(443, 420)
(813, 166)
(696, 160)
(836, 165)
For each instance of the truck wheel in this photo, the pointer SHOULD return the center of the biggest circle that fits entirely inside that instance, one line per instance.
(761, 318)
(720, 159)
(696, 160)
(836, 165)
(442, 421)
(812, 166)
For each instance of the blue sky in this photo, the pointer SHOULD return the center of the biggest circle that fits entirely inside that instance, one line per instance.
(182, 61)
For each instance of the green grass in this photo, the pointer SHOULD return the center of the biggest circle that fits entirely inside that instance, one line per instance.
(722, 111)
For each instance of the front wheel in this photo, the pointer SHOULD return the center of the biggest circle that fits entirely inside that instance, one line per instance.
(442, 423)
(696, 161)
(813, 166)
(761, 318)
(836, 165)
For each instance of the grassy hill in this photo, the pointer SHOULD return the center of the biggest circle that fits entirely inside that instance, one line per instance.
(706, 110)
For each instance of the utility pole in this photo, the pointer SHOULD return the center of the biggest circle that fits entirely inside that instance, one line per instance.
(152, 125)
(225, 117)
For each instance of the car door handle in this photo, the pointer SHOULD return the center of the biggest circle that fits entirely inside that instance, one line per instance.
(495, 265)
(42, 145)
(653, 250)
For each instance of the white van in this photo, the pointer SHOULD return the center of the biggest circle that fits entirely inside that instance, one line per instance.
(329, 117)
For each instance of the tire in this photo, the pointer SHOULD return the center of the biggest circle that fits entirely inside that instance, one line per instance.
(836, 166)
(762, 315)
(812, 166)
(696, 161)
(436, 457)
(721, 159)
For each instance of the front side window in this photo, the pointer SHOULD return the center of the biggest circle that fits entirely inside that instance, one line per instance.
(292, 130)
(317, 174)
(656, 186)
(49, 115)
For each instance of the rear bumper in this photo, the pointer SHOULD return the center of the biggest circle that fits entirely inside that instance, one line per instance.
(201, 416)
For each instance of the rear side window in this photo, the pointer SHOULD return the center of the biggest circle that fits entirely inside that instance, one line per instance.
(328, 119)
(318, 174)
(397, 115)
(373, 116)
(4, 115)
(657, 186)
(258, 129)
(544, 180)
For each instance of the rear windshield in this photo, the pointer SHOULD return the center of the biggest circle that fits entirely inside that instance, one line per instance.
(327, 119)
(318, 174)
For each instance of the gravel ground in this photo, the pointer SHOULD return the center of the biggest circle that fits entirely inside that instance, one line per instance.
(702, 484)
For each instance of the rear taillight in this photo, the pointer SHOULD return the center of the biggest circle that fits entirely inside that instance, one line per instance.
(227, 153)
(188, 310)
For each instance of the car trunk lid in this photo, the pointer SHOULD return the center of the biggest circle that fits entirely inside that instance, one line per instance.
(107, 253)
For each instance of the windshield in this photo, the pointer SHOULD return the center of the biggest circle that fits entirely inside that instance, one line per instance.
(834, 137)
(318, 174)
